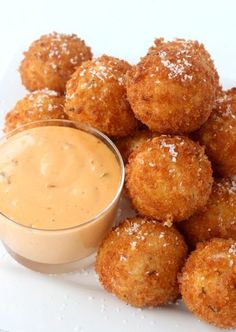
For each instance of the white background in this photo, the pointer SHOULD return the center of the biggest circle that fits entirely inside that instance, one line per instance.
(122, 28)
(31, 302)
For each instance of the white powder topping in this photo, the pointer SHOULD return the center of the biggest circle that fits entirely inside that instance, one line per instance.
(53, 65)
(45, 91)
(228, 112)
(232, 187)
(232, 249)
(187, 77)
(177, 69)
(140, 236)
(70, 96)
(40, 101)
(133, 245)
(50, 107)
(151, 273)
(123, 258)
(231, 263)
(171, 148)
(133, 228)
(59, 46)
(83, 71)
(152, 164)
(74, 60)
(99, 71)
(120, 80)
(162, 234)
(221, 100)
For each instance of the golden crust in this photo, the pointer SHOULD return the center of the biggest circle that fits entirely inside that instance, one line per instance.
(218, 218)
(126, 145)
(208, 282)
(139, 261)
(96, 95)
(38, 105)
(173, 88)
(169, 178)
(218, 134)
(51, 60)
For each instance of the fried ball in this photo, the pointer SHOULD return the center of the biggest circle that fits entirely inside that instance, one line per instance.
(96, 95)
(38, 105)
(128, 144)
(173, 89)
(208, 282)
(218, 218)
(218, 134)
(51, 60)
(169, 178)
(139, 261)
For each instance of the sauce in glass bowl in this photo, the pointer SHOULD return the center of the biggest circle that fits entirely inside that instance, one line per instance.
(60, 184)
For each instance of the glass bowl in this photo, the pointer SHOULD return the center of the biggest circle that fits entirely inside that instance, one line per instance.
(61, 250)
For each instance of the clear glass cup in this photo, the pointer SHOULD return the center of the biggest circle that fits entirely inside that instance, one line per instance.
(57, 251)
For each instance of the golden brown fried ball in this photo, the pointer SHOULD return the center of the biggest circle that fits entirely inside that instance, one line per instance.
(51, 60)
(218, 219)
(128, 144)
(38, 105)
(169, 178)
(139, 261)
(208, 282)
(218, 134)
(173, 88)
(96, 95)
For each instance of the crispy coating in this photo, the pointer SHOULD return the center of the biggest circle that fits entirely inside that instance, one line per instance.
(169, 178)
(128, 144)
(139, 261)
(218, 134)
(96, 95)
(50, 61)
(218, 218)
(173, 89)
(38, 105)
(208, 282)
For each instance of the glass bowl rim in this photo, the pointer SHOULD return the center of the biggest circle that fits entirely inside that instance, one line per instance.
(90, 130)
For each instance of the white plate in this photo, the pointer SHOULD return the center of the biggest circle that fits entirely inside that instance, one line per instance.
(33, 302)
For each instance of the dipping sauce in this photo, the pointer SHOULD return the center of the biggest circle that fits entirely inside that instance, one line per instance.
(56, 177)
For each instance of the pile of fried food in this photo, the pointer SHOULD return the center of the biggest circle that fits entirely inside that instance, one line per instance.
(175, 127)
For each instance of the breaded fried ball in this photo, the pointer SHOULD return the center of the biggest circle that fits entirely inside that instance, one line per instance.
(218, 219)
(38, 105)
(50, 61)
(218, 134)
(96, 95)
(169, 178)
(128, 144)
(173, 89)
(139, 261)
(208, 282)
